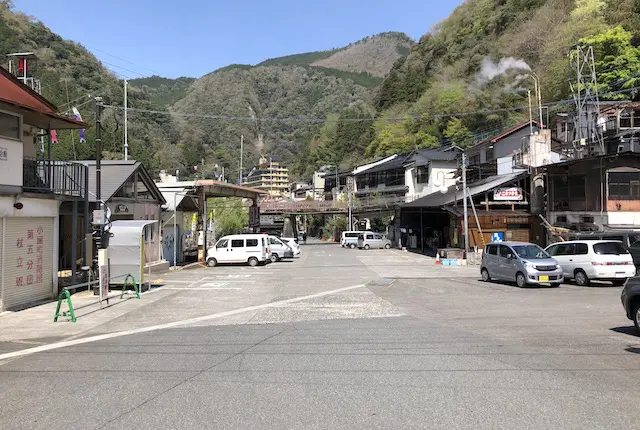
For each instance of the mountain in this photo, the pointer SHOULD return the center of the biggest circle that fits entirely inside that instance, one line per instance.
(373, 55)
(163, 91)
(473, 63)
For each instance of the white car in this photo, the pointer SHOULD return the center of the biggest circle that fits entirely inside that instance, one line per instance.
(279, 249)
(252, 249)
(587, 260)
(292, 244)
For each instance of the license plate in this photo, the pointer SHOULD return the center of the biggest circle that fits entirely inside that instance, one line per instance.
(620, 275)
(543, 278)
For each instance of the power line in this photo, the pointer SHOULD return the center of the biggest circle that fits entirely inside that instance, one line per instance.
(125, 69)
(122, 59)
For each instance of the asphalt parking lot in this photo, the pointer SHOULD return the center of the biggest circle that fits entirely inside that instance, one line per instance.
(338, 338)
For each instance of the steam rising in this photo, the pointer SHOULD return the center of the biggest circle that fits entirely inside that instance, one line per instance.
(491, 70)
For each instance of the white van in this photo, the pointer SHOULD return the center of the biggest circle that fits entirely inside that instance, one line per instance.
(350, 239)
(252, 249)
(587, 260)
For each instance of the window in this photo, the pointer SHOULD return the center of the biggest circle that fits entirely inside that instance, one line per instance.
(564, 249)
(222, 243)
(142, 191)
(504, 251)
(624, 185)
(609, 248)
(634, 240)
(237, 243)
(378, 236)
(530, 252)
(586, 219)
(148, 233)
(252, 242)
(488, 154)
(561, 219)
(351, 234)
(553, 249)
(422, 175)
(369, 236)
(582, 249)
(127, 190)
(492, 249)
(474, 159)
(9, 126)
(272, 241)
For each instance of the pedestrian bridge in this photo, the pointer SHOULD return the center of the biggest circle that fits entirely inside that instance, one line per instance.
(358, 205)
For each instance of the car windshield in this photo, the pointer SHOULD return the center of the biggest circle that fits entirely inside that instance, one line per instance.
(530, 252)
(609, 248)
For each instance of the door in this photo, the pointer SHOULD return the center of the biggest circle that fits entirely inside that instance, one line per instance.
(634, 248)
(27, 260)
(503, 263)
(379, 243)
(222, 251)
(253, 248)
(369, 240)
(580, 258)
(237, 252)
(276, 246)
(563, 254)
(490, 258)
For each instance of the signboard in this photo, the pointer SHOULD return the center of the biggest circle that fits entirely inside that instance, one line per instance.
(497, 236)
(508, 194)
(267, 220)
(4, 154)
(104, 281)
(254, 216)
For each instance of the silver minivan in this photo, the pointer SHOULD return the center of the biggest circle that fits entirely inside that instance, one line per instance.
(368, 240)
(522, 262)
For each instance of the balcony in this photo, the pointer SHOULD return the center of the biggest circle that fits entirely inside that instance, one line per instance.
(59, 178)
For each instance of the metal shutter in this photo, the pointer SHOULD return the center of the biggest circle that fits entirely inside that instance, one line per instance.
(28, 260)
(1, 267)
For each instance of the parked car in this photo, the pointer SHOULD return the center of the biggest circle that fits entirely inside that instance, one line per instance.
(629, 238)
(278, 249)
(350, 239)
(587, 260)
(292, 244)
(522, 262)
(373, 240)
(630, 297)
(252, 249)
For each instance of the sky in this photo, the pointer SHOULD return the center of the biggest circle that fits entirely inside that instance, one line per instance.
(172, 38)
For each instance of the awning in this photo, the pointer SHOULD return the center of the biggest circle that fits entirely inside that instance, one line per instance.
(438, 199)
(183, 198)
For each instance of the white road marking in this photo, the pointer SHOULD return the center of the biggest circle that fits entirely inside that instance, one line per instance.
(80, 341)
(201, 288)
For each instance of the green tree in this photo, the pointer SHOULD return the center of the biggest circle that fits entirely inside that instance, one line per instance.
(457, 133)
(229, 215)
(617, 61)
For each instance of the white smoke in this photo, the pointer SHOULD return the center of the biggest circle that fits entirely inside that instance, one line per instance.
(490, 70)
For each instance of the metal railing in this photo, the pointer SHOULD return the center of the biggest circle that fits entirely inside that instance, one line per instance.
(54, 177)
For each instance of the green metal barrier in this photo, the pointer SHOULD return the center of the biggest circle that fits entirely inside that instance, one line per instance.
(64, 295)
(133, 284)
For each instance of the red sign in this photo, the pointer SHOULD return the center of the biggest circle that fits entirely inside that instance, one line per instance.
(508, 194)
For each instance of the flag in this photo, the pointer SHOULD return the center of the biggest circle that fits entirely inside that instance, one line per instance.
(76, 115)
(54, 136)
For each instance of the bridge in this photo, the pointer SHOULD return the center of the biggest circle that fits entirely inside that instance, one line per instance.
(328, 207)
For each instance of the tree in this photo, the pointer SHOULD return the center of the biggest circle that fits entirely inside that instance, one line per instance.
(617, 62)
(457, 133)
(229, 215)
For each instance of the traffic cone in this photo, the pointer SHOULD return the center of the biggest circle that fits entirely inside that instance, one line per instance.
(437, 258)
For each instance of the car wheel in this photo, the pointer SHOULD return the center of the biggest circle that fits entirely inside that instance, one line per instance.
(636, 317)
(212, 262)
(274, 258)
(581, 278)
(253, 261)
(387, 246)
(485, 275)
(521, 281)
(619, 282)
(367, 247)
(352, 246)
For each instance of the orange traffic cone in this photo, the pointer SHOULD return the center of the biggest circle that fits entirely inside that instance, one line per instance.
(437, 258)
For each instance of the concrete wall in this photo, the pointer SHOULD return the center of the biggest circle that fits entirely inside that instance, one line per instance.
(11, 162)
(440, 173)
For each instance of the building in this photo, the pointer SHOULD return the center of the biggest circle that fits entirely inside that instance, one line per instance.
(269, 176)
(32, 189)
(130, 194)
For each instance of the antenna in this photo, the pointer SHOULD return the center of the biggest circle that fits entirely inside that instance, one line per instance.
(584, 88)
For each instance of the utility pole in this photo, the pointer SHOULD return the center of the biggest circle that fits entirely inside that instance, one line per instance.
(126, 134)
(241, 154)
(530, 113)
(465, 214)
(99, 108)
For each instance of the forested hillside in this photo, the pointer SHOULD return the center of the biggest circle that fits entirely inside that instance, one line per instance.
(446, 71)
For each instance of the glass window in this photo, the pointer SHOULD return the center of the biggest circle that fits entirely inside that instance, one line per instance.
(488, 155)
(252, 242)
(422, 174)
(237, 243)
(552, 250)
(351, 234)
(531, 252)
(378, 236)
(148, 233)
(369, 236)
(142, 190)
(9, 126)
(492, 249)
(504, 251)
(222, 243)
(582, 249)
(624, 185)
(474, 159)
(634, 240)
(127, 190)
(609, 248)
